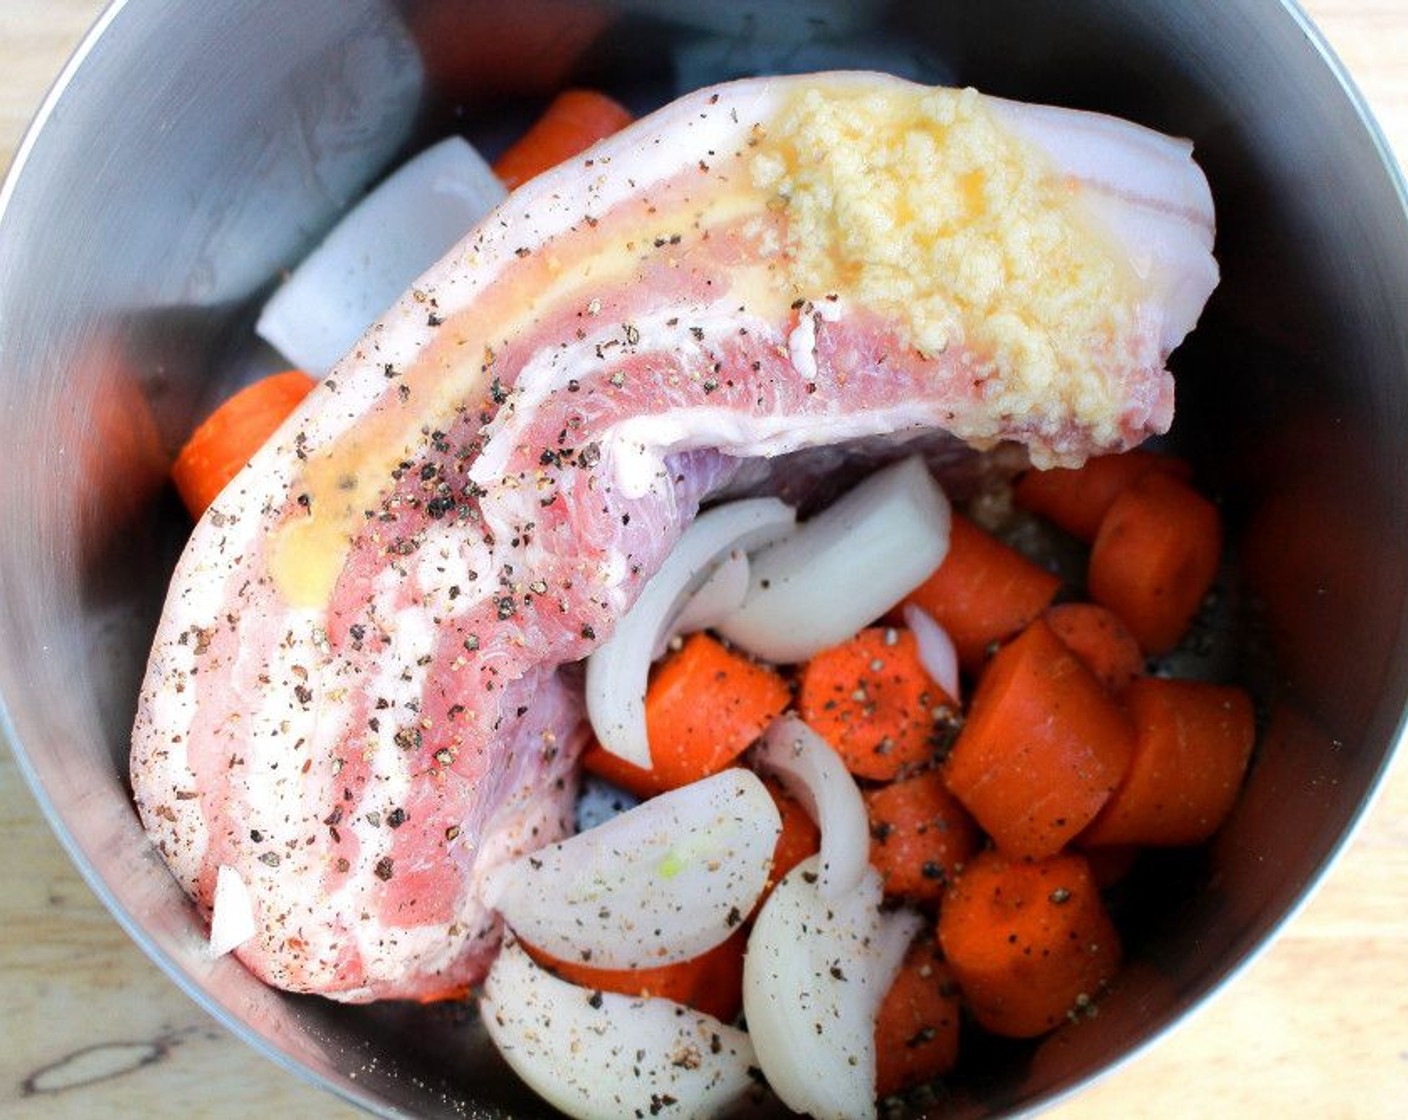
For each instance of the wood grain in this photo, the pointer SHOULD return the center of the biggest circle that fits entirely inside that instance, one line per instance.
(1317, 1026)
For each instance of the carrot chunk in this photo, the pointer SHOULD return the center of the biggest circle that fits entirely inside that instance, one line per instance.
(1192, 743)
(920, 836)
(1042, 749)
(1100, 639)
(573, 121)
(872, 700)
(454, 993)
(916, 1030)
(1155, 557)
(227, 439)
(1077, 499)
(711, 982)
(983, 592)
(1030, 942)
(704, 705)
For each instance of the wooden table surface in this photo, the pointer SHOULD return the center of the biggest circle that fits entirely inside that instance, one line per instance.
(1316, 1027)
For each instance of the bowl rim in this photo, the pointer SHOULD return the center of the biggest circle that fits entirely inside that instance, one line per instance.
(60, 88)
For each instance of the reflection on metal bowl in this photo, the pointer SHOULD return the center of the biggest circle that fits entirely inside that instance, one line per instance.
(123, 320)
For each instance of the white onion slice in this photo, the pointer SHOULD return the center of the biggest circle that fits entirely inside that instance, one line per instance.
(601, 1056)
(814, 774)
(813, 980)
(717, 598)
(845, 567)
(231, 914)
(663, 882)
(898, 929)
(936, 650)
(375, 251)
(617, 670)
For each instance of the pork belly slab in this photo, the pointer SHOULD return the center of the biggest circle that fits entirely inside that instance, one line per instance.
(363, 691)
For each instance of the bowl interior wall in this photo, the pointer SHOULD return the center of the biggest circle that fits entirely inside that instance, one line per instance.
(185, 187)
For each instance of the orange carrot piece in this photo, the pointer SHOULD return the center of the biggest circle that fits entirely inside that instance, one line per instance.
(573, 121)
(1030, 942)
(1076, 499)
(920, 836)
(1100, 639)
(800, 835)
(1042, 749)
(454, 993)
(1155, 557)
(983, 592)
(1193, 741)
(227, 439)
(711, 982)
(916, 1030)
(872, 700)
(704, 705)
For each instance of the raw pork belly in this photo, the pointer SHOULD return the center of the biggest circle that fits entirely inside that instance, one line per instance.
(362, 692)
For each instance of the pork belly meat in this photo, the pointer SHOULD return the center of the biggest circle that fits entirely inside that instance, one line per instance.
(364, 691)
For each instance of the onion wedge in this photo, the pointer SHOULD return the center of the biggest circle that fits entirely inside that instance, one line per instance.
(840, 570)
(232, 913)
(936, 650)
(898, 929)
(663, 882)
(813, 773)
(617, 670)
(601, 1056)
(717, 598)
(813, 980)
(374, 253)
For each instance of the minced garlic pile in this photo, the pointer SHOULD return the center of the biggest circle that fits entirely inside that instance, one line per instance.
(925, 207)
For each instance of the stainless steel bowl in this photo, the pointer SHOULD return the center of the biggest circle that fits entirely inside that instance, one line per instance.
(197, 149)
